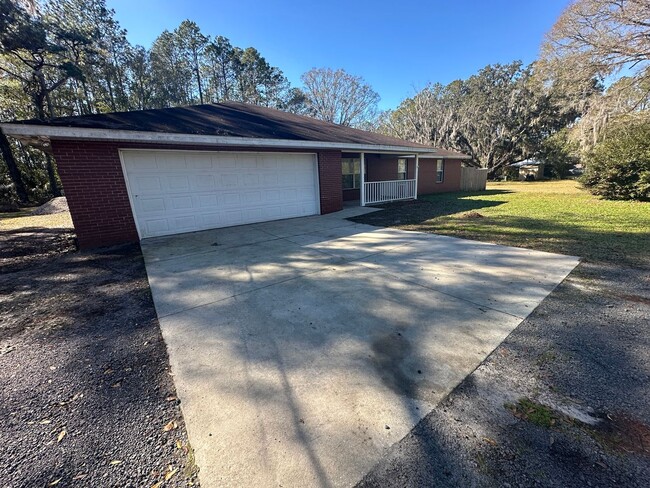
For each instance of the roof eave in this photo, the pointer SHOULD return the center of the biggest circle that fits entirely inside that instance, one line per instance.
(33, 132)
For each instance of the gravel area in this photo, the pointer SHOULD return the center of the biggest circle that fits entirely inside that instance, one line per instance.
(564, 401)
(54, 206)
(86, 396)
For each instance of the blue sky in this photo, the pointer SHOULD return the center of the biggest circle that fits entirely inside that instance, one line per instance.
(397, 46)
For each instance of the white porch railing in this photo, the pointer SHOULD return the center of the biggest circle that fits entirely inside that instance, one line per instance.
(388, 191)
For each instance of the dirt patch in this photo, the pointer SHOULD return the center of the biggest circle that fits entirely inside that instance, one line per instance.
(622, 432)
(472, 215)
(54, 206)
(85, 389)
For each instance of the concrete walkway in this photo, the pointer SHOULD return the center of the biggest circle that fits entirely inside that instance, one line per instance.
(302, 349)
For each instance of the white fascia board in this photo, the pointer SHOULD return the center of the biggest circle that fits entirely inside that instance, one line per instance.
(53, 132)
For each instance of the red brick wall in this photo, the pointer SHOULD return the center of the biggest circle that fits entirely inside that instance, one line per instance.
(331, 181)
(351, 195)
(94, 185)
(381, 169)
(385, 169)
(427, 176)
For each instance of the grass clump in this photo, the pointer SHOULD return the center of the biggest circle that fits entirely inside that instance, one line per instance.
(531, 411)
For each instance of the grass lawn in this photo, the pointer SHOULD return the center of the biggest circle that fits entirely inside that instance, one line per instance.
(553, 216)
(24, 219)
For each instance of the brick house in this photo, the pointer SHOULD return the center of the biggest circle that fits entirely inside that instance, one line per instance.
(133, 175)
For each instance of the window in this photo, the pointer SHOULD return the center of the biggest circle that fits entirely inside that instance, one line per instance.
(351, 168)
(401, 169)
(440, 171)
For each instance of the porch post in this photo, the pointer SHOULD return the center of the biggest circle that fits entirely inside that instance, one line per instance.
(362, 168)
(417, 171)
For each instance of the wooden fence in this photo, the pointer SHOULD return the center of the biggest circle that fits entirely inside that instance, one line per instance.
(473, 179)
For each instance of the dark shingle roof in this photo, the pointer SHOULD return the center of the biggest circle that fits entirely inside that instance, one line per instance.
(226, 119)
(232, 119)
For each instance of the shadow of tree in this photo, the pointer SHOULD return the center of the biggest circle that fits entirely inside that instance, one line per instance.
(33, 245)
(434, 215)
(81, 351)
(418, 211)
(581, 349)
(381, 324)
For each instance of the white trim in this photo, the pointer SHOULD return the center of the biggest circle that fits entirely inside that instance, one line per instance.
(362, 190)
(443, 170)
(316, 169)
(128, 192)
(25, 130)
(417, 173)
(220, 151)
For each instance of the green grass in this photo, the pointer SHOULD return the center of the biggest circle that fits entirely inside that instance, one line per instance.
(553, 216)
(534, 412)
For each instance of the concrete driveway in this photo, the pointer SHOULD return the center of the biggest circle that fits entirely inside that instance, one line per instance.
(302, 349)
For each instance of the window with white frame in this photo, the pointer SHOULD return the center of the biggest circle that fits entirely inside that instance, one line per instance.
(440, 170)
(401, 169)
(351, 169)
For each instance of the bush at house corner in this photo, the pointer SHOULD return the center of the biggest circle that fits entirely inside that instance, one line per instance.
(618, 167)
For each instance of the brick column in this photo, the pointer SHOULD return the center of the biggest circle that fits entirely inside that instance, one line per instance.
(331, 181)
(94, 185)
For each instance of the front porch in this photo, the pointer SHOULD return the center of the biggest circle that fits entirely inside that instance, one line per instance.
(371, 178)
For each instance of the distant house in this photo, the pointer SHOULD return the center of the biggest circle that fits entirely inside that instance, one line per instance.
(147, 173)
(529, 169)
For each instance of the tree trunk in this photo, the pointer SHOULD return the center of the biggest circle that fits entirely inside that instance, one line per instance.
(198, 76)
(111, 96)
(14, 172)
(51, 175)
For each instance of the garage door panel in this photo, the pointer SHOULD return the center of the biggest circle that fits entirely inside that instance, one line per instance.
(209, 221)
(229, 180)
(181, 191)
(142, 162)
(182, 203)
(273, 213)
(177, 183)
(221, 162)
(289, 195)
(151, 204)
(198, 161)
(253, 197)
(245, 161)
(231, 199)
(253, 215)
(156, 226)
(272, 195)
(203, 182)
(144, 184)
(267, 164)
(251, 179)
(183, 223)
(232, 217)
(171, 162)
(269, 179)
(208, 201)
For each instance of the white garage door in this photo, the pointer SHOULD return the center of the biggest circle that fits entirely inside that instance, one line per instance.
(185, 191)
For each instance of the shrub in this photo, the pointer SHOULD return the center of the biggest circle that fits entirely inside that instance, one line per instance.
(618, 167)
(8, 198)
